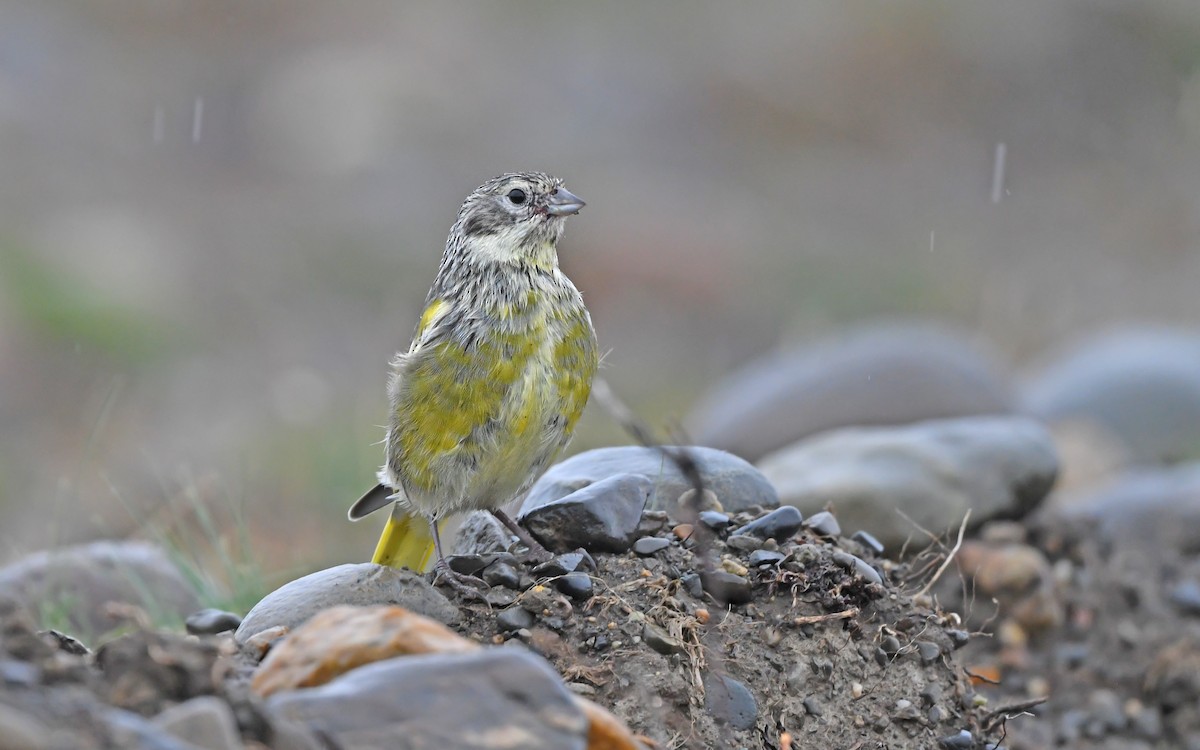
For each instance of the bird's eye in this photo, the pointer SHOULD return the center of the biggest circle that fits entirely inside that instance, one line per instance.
(517, 196)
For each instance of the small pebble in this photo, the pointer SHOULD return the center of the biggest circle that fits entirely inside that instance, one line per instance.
(683, 530)
(727, 587)
(581, 688)
(964, 740)
(890, 645)
(498, 596)
(929, 652)
(868, 540)
(823, 523)
(743, 543)
(652, 522)
(856, 690)
(857, 565)
(693, 585)
(514, 618)
(702, 615)
(211, 622)
(502, 574)
(729, 702)
(19, 673)
(958, 637)
(779, 524)
(715, 520)
(812, 706)
(658, 639)
(761, 557)
(578, 586)
(467, 565)
(1185, 595)
(568, 562)
(648, 545)
(733, 566)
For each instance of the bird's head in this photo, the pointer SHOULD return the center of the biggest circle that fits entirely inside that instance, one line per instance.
(516, 216)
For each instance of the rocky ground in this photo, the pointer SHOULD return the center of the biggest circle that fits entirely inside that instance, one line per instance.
(1027, 583)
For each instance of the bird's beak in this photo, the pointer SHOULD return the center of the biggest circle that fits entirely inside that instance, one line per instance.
(563, 203)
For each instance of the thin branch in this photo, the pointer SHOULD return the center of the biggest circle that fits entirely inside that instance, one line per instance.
(962, 528)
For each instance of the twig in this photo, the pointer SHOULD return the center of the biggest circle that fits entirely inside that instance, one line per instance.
(962, 528)
(992, 718)
(812, 619)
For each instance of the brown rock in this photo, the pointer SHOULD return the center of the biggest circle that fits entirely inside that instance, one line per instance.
(606, 732)
(339, 639)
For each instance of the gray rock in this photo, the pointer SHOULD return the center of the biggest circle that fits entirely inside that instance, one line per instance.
(727, 588)
(736, 483)
(357, 584)
(81, 580)
(648, 545)
(1142, 385)
(761, 557)
(933, 472)
(578, 586)
(823, 523)
(601, 516)
(779, 525)
(868, 540)
(856, 564)
(481, 533)
(211, 622)
(515, 699)
(206, 721)
(514, 618)
(729, 702)
(877, 375)
(659, 640)
(714, 520)
(1157, 508)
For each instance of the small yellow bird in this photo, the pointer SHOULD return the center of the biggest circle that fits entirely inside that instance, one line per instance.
(498, 373)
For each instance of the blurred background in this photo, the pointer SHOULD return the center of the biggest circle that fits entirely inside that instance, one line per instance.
(218, 219)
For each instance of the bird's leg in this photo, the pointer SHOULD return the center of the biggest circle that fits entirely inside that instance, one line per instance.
(536, 550)
(467, 586)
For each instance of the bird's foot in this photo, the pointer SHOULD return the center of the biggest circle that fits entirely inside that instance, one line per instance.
(468, 587)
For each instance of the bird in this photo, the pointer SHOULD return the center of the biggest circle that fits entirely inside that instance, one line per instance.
(497, 375)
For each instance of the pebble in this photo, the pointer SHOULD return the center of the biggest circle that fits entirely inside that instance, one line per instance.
(868, 540)
(602, 516)
(890, 645)
(765, 557)
(727, 587)
(856, 690)
(743, 542)
(653, 521)
(683, 531)
(658, 639)
(857, 565)
(211, 622)
(568, 562)
(964, 740)
(514, 618)
(779, 524)
(693, 585)
(498, 596)
(824, 523)
(1185, 595)
(730, 565)
(206, 722)
(958, 637)
(729, 702)
(715, 520)
(648, 545)
(578, 586)
(929, 652)
(467, 565)
(19, 673)
(812, 706)
(502, 574)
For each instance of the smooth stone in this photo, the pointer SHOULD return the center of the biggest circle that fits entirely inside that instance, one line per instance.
(715, 520)
(514, 618)
(1152, 508)
(856, 564)
(868, 540)
(1185, 595)
(693, 585)
(89, 577)
(601, 516)
(727, 588)
(1141, 385)
(578, 586)
(743, 542)
(206, 721)
(823, 523)
(779, 524)
(876, 375)
(211, 622)
(467, 565)
(736, 482)
(568, 562)
(360, 584)
(502, 574)
(481, 533)
(659, 640)
(648, 545)
(765, 557)
(964, 740)
(484, 699)
(729, 701)
(928, 651)
(932, 472)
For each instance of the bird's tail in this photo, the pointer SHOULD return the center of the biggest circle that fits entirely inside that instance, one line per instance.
(407, 542)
